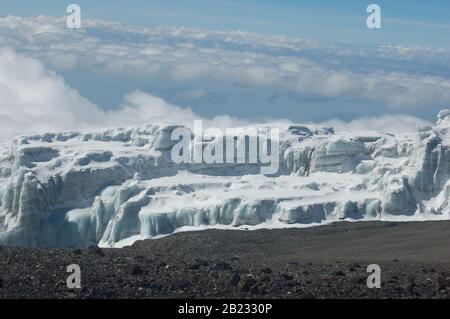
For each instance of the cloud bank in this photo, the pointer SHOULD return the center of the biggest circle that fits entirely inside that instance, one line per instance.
(237, 73)
(34, 99)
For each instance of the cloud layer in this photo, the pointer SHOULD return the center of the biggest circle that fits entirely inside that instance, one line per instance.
(51, 79)
(36, 100)
(237, 73)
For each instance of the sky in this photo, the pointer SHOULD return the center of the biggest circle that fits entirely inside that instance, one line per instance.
(227, 61)
(405, 22)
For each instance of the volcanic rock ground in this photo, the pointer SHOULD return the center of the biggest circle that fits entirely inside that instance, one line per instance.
(321, 262)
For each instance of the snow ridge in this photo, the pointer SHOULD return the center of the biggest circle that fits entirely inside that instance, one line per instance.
(112, 187)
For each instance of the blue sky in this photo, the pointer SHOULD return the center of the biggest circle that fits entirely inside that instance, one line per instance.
(411, 22)
(341, 71)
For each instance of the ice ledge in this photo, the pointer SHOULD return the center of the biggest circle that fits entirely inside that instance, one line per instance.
(117, 185)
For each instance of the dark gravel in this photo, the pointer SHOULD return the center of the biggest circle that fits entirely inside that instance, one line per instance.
(322, 262)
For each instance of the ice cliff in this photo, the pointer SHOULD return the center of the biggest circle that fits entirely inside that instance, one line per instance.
(112, 187)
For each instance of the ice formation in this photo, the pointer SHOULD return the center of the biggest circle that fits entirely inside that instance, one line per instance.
(111, 187)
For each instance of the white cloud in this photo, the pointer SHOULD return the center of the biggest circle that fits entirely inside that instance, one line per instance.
(35, 100)
(393, 77)
(386, 123)
(245, 70)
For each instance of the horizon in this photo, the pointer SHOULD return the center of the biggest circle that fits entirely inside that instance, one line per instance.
(206, 68)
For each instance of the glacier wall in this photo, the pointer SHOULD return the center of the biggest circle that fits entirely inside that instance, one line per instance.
(111, 187)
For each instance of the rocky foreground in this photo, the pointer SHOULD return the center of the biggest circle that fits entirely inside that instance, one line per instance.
(321, 262)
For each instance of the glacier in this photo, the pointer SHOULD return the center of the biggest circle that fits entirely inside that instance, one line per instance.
(111, 187)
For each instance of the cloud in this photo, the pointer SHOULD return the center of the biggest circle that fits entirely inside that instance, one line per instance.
(211, 74)
(243, 73)
(36, 100)
(386, 123)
